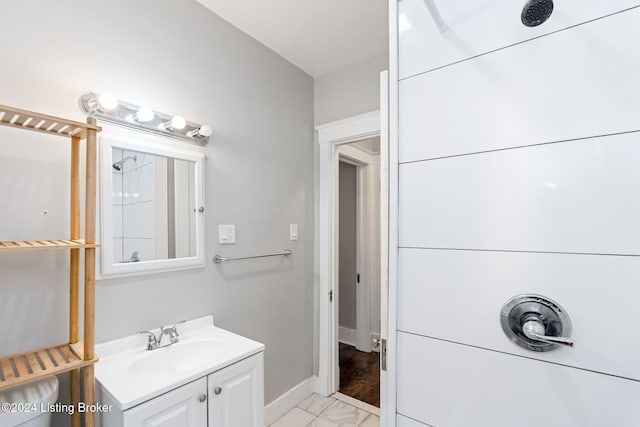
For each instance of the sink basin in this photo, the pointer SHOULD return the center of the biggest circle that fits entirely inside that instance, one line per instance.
(177, 358)
(128, 374)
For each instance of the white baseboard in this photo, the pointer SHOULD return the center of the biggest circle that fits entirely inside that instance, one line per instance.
(347, 336)
(289, 400)
(320, 384)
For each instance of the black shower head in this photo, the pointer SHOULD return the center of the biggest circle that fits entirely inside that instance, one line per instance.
(536, 12)
(117, 166)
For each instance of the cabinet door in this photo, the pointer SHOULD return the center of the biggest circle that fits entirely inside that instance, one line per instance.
(236, 394)
(180, 407)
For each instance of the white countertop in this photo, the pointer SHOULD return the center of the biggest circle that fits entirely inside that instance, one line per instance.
(127, 390)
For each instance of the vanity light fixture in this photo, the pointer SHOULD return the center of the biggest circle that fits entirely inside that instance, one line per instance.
(102, 103)
(108, 101)
(203, 131)
(143, 115)
(176, 123)
(108, 108)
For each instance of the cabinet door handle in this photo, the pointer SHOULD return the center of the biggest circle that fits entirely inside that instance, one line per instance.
(217, 390)
(202, 397)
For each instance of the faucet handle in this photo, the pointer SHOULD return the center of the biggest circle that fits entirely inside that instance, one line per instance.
(173, 328)
(152, 344)
(176, 324)
(172, 331)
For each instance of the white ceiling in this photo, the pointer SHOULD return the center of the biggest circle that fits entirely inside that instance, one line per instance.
(319, 36)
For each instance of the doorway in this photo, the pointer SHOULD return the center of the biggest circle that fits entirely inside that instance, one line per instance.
(357, 260)
(330, 137)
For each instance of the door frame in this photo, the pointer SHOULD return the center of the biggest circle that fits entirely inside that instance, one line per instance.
(365, 248)
(330, 136)
(388, 237)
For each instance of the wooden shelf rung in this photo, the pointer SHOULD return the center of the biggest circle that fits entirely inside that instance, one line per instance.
(57, 357)
(34, 365)
(22, 366)
(11, 245)
(46, 359)
(10, 370)
(69, 354)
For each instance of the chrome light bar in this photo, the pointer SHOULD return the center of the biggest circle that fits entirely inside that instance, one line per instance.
(108, 108)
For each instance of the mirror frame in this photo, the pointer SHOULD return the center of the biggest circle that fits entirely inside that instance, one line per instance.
(137, 141)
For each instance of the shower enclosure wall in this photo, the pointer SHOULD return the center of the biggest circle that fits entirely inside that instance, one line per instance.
(519, 163)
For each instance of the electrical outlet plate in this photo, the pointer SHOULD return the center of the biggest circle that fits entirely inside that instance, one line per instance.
(226, 234)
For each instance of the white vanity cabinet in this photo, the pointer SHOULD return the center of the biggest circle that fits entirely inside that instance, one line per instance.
(210, 377)
(230, 397)
(185, 406)
(236, 396)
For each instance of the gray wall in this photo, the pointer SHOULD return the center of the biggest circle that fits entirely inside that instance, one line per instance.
(348, 194)
(178, 58)
(351, 91)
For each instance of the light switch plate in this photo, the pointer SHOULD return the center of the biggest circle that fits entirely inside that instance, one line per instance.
(226, 234)
(293, 231)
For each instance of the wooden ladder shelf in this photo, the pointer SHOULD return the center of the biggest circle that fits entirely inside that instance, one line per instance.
(76, 356)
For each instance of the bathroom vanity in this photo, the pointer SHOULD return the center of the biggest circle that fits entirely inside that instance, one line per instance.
(210, 377)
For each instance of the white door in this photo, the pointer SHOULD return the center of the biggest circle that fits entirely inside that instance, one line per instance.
(184, 407)
(236, 394)
(519, 167)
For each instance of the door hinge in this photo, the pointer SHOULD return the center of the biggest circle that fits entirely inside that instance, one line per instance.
(358, 278)
(331, 296)
(383, 354)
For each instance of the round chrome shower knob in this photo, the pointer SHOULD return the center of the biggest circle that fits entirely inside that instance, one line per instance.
(536, 323)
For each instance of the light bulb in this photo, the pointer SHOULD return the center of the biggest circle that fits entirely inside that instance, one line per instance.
(201, 132)
(178, 122)
(144, 114)
(205, 130)
(108, 101)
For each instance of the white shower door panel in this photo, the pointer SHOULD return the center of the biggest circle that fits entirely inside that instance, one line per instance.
(465, 291)
(468, 28)
(579, 197)
(443, 384)
(573, 84)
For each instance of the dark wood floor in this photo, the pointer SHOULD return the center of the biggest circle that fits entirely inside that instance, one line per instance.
(360, 374)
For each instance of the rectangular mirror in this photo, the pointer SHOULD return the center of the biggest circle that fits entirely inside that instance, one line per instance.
(152, 205)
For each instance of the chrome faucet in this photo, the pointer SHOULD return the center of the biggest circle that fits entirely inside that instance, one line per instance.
(156, 342)
(172, 332)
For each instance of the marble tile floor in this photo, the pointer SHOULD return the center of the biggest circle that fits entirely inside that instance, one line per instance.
(320, 411)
